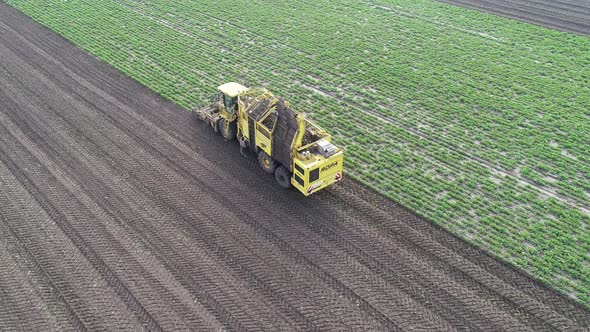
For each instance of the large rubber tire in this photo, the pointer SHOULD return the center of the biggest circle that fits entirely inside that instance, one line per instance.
(268, 164)
(232, 130)
(283, 177)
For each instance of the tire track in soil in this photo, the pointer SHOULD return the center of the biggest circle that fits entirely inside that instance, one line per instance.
(14, 308)
(48, 292)
(102, 213)
(44, 140)
(77, 285)
(34, 169)
(172, 164)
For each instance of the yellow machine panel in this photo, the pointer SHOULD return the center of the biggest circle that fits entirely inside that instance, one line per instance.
(263, 138)
(317, 172)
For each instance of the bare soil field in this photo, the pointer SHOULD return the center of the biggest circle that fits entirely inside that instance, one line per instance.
(564, 15)
(119, 211)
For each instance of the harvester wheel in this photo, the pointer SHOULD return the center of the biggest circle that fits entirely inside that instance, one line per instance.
(283, 177)
(268, 164)
(232, 130)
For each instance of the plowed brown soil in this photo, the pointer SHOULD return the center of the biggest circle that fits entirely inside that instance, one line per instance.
(119, 211)
(565, 15)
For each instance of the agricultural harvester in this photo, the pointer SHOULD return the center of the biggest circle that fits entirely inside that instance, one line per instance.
(297, 151)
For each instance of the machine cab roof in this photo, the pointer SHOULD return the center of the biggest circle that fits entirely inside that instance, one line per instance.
(231, 89)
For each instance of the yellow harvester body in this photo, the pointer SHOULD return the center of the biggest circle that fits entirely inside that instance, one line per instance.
(298, 152)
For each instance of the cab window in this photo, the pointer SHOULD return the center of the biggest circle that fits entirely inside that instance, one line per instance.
(230, 103)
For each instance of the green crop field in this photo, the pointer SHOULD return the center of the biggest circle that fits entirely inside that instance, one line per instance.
(480, 123)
